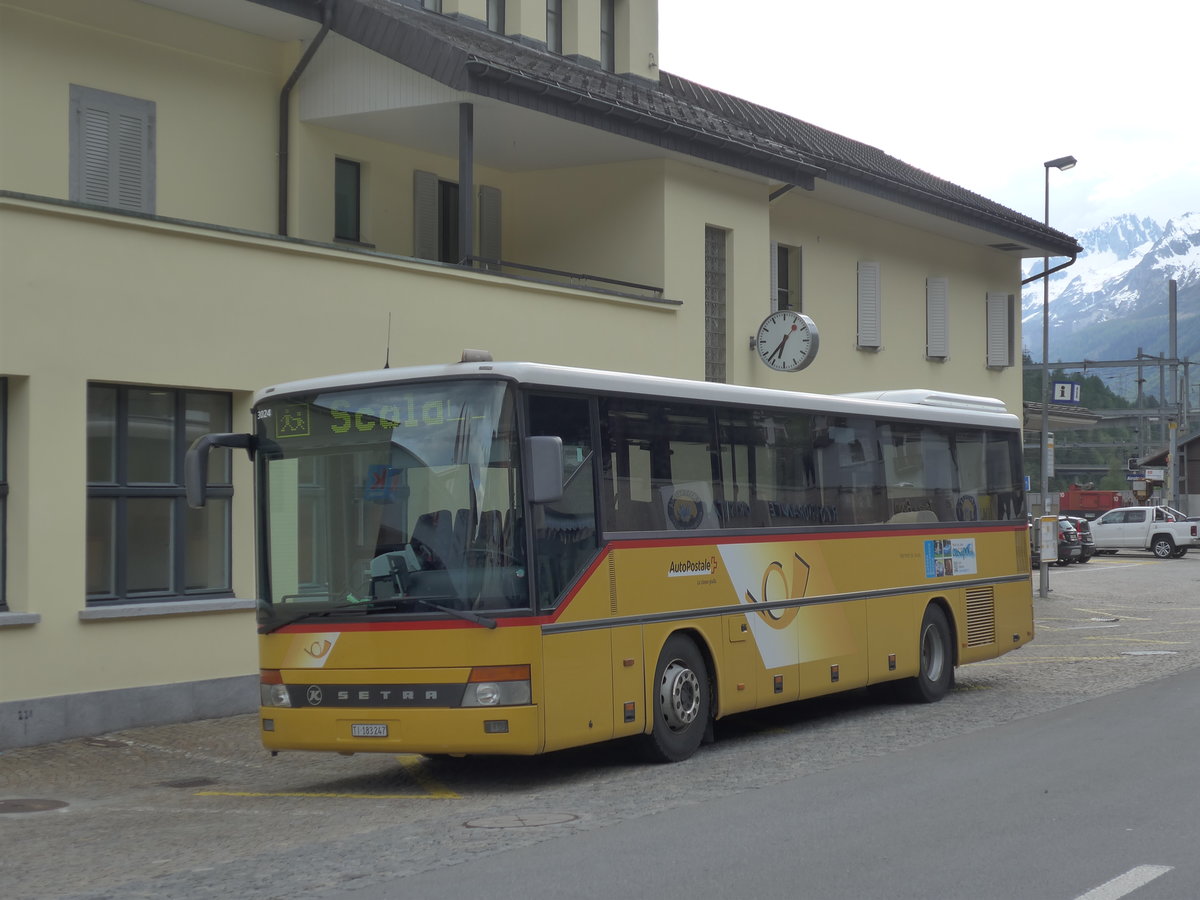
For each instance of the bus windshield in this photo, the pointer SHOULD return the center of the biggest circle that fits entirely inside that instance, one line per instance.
(390, 500)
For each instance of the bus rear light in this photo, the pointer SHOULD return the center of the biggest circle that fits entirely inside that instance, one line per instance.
(271, 689)
(498, 686)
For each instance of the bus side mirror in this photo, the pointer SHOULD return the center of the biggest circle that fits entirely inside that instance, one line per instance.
(544, 467)
(195, 463)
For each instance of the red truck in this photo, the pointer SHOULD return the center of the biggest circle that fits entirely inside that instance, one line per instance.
(1078, 501)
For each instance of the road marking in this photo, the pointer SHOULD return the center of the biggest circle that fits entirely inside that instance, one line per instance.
(1038, 660)
(1126, 884)
(1108, 612)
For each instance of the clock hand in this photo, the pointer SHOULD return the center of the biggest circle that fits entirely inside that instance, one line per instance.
(778, 351)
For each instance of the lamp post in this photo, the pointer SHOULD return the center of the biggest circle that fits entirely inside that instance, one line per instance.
(1062, 164)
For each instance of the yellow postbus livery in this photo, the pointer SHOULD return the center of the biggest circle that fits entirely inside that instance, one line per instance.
(513, 558)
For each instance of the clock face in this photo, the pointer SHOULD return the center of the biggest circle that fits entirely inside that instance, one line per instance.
(787, 341)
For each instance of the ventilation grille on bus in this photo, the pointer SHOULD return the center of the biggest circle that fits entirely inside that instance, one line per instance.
(612, 584)
(981, 616)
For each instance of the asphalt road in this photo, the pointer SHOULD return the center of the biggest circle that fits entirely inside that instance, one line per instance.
(200, 810)
(1051, 806)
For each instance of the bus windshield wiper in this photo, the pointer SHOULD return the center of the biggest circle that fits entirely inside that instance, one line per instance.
(364, 606)
(465, 614)
(368, 606)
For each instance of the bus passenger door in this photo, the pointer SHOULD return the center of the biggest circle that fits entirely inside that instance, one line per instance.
(577, 650)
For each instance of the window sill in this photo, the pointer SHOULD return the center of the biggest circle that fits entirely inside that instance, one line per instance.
(361, 245)
(17, 620)
(163, 608)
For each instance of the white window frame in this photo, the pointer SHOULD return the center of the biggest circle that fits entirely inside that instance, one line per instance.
(795, 274)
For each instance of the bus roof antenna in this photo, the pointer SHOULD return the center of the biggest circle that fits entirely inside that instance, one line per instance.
(387, 354)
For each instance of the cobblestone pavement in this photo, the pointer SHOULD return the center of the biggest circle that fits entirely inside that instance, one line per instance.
(199, 810)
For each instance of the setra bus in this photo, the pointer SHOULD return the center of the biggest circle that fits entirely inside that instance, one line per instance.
(514, 558)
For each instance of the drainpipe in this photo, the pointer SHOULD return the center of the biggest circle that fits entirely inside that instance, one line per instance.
(285, 98)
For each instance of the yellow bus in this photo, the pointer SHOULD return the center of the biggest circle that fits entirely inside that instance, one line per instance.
(514, 558)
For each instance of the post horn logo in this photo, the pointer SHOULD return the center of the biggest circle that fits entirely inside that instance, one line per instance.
(318, 649)
(776, 585)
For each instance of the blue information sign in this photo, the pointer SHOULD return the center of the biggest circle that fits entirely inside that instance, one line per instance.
(1066, 392)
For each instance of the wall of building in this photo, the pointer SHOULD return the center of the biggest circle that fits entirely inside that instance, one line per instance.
(215, 90)
(834, 240)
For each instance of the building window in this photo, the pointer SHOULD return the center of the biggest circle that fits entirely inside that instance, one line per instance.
(870, 318)
(143, 541)
(786, 269)
(715, 288)
(554, 26)
(1000, 330)
(112, 150)
(495, 16)
(608, 35)
(432, 5)
(937, 318)
(3, 490)
(435, 219)
(346, 200)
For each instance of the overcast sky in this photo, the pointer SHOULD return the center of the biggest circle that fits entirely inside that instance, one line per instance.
(979, 94)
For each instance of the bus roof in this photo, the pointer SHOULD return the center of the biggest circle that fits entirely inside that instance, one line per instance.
(919, 404)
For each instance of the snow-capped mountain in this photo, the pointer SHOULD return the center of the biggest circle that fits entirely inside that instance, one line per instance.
(1113, 300)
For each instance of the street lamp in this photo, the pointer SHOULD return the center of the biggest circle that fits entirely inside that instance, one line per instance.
(1062, 164)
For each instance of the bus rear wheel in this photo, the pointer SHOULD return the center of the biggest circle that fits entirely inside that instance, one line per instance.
(682, 702)
(936, 675)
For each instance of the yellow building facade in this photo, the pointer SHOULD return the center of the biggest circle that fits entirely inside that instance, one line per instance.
(199, 199)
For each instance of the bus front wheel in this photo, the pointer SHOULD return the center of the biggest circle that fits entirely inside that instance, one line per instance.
(682, 702)
(936, 674)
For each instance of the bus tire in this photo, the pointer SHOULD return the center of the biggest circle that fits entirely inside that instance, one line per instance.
(682, 702)
(936, 675)
(1163, 546)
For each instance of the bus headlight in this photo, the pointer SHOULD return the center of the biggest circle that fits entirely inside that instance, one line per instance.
(271, 689)
(273, 695)
(498, 686)
(487, 694)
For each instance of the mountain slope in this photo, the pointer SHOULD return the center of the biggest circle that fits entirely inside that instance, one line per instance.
(1113, 300)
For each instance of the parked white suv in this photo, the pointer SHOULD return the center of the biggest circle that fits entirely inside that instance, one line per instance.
(1159, 529)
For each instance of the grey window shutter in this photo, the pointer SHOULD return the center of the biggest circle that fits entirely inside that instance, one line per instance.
(774, 276)
(489, 224)
(112, 150)
(999, 330)
(937, 321)
(425, 215)
(870, 330)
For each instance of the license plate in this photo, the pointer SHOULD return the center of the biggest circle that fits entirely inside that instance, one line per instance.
(368, 731)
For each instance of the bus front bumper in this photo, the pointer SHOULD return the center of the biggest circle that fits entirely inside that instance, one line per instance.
(502, 730)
